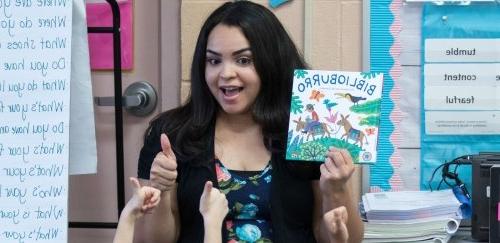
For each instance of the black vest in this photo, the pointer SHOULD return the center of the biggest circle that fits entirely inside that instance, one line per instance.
(292, 200)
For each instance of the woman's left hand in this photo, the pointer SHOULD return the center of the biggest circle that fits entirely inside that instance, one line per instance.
(336, 170)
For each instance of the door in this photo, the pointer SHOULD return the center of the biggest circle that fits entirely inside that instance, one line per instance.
(93, 198)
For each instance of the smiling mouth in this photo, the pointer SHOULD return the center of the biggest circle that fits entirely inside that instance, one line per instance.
(230, 91)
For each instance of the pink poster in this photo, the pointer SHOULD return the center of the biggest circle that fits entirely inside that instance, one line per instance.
(101, 44)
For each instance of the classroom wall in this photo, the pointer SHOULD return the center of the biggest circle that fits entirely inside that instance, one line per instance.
(93, 198)
(164, 37)
(331, 37)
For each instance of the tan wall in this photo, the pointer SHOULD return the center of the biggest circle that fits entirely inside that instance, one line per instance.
(331, 36)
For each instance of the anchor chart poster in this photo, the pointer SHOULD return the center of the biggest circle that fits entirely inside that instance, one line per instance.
(334, 108)
(35, 71)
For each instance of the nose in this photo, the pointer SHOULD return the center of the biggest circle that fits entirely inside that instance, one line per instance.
(227, 71)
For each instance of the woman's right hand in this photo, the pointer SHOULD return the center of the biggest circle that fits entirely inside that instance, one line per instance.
(164, 168)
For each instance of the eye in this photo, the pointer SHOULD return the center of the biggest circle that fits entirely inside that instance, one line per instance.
(244, 61)
(213, 61)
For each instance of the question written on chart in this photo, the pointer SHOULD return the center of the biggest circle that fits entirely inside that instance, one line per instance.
(35, 67)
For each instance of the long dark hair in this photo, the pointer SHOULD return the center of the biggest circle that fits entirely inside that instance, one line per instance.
(275, 57)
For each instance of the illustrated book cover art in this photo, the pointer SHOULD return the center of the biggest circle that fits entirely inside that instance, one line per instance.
(334, 109)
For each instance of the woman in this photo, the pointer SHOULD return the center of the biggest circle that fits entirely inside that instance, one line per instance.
(232, 131)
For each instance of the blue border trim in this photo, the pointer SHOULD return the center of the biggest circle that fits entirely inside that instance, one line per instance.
(381, 41)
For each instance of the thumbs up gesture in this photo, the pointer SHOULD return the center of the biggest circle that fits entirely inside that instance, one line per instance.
(144, 199)
(164, 168)
(213, 205)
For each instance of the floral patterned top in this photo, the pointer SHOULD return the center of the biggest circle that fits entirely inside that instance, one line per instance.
(248, 195)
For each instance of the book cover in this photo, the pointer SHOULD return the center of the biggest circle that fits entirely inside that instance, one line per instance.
(334, 108)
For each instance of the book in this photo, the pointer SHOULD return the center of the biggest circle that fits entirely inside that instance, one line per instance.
(410, 216)
(334, 108)
(424, 230)
(432, 232)
(410, 205)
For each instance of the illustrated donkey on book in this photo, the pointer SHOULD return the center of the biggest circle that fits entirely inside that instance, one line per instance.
(320, 129)
(350, 132)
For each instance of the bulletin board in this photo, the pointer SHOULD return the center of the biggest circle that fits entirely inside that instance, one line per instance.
(441, 63)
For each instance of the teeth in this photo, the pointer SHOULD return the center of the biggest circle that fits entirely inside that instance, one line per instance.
(231, 90)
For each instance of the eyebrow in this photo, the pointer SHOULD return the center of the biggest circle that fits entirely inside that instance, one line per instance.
(234, 53)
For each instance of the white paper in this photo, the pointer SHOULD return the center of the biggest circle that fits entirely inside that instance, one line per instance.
(410, 35)
(471, 74)
(462, 98)
(411, 228)
(462, 50)
(409, 104)
(410, 216)
(410, 202)
(82, 143)
(35, 61)
(462, 122)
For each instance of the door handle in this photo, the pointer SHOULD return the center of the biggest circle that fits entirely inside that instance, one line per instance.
(139, 99)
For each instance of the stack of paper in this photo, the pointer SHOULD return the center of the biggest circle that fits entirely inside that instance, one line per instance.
(416, 216)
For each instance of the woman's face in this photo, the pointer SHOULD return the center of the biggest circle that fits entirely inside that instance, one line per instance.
(230, 71)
